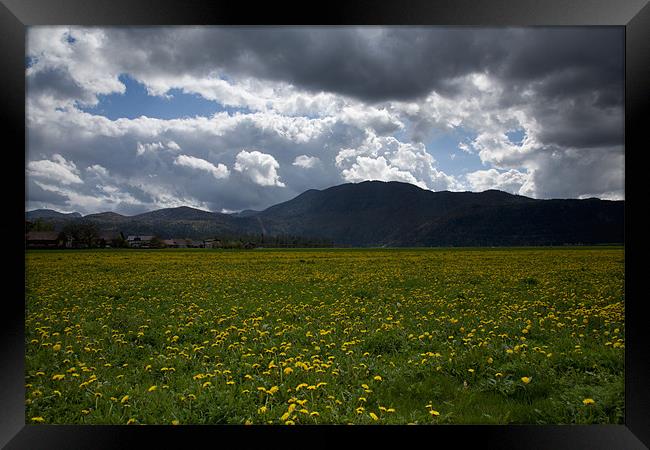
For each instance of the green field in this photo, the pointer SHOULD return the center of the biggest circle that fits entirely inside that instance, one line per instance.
(423, 336)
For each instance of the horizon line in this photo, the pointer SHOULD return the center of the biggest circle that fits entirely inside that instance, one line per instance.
(320, 190)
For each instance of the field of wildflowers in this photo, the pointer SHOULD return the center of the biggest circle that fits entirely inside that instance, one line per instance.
(412, 336)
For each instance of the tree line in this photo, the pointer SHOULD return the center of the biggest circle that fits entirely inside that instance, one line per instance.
(81, 234)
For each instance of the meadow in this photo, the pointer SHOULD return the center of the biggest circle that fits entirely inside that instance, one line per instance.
(347, 336)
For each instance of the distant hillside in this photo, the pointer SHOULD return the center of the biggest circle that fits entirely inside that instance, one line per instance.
(49, 214)
(375, 213)
(181, 222)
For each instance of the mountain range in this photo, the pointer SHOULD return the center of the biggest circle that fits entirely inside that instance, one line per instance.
(375, 213)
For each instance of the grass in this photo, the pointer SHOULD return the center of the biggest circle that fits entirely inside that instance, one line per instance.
(383, 336)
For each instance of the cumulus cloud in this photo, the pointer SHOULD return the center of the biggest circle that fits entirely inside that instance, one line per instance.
(366, 168)
(98, 170)
(141, 148)
(260, 167)
(219, 171)
(101, 198)
(511, 181)
(173, 146)
(306, 162)
(57, 169)
(385, 158)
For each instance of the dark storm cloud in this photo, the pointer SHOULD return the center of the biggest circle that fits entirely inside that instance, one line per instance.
(394, 63)
(407, 63)
(37, 194)
(367, 63)
(581, 123)
(57, 84)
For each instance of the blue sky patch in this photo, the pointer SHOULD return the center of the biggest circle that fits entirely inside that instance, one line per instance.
(516, 136)
(443, 144)
(136, 102)
(30, 61)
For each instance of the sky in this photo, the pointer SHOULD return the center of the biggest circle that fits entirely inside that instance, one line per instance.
(132, 119)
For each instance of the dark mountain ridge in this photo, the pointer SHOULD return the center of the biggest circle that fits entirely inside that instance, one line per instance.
(49, 214)
(375, 213)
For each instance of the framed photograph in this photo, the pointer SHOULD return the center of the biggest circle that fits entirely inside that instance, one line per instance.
(244, 224)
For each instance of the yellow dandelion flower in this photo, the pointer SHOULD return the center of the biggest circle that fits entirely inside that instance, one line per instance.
(377, 378)
(131, 421)
(38, 419)
(56, 347)
(175, 422)
(588, 401)
(374, 416)
(433, 412)
(58, 376)
(287, 370)
(314, 414)
(124, 399)
(526, 380)
(262, 409)
(152, 388)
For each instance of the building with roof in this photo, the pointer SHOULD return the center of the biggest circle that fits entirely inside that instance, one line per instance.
(44, 239)
(139, 241)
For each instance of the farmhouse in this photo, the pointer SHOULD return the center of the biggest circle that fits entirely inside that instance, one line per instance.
(110, 238)
(183, 243)
(139, 241)
(175, 243)
(212, 243)
(44, 239)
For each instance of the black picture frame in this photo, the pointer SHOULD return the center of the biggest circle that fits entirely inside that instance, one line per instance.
(16, 15)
